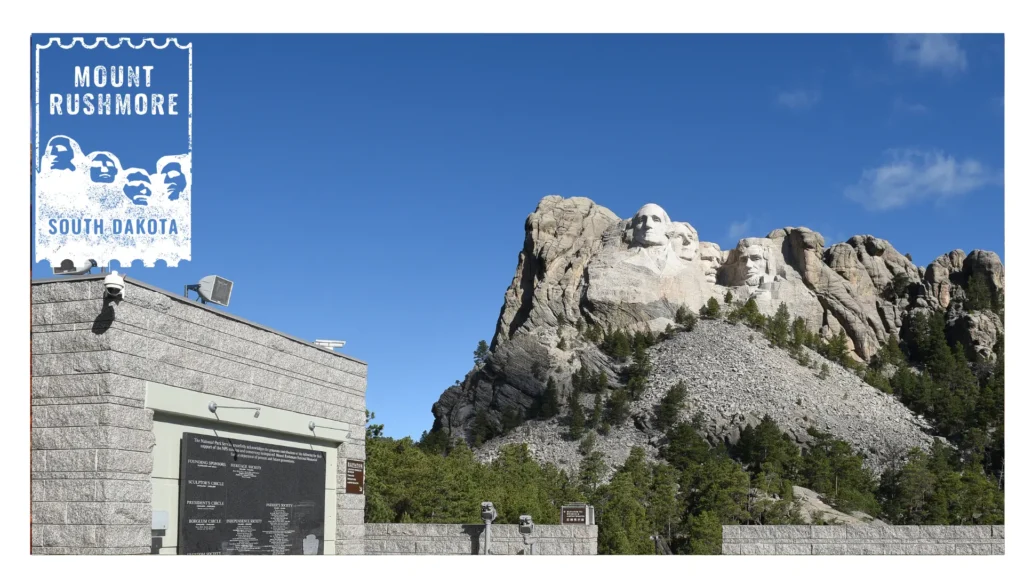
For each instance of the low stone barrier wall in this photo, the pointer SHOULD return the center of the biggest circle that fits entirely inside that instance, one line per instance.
(445, 539)
(853, 539)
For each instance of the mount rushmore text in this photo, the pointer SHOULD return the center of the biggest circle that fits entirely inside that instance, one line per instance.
(118, 104)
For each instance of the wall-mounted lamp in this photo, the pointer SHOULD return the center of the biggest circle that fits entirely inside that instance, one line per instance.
(213, 408)
(313, 427)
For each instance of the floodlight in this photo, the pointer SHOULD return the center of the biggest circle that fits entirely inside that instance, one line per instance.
(212, 289)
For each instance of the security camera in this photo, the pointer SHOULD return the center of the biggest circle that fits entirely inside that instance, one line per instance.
(113, 285)
(487, 512)
(525, 524)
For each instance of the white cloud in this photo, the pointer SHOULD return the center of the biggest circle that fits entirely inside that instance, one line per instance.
(901, 105)
(913, 176)
(739, 230)
(797, 99)
(939, 52)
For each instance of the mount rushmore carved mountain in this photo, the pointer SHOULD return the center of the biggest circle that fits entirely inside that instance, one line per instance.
(583, 269)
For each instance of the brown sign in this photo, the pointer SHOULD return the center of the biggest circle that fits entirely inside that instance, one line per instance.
(574, 514)
(354, 477)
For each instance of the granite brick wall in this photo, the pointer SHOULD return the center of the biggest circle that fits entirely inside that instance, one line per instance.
(92, 435)
(863, 539)
(453, 539)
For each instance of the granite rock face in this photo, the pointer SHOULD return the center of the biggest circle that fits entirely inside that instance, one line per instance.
(734, 378)
(583, 267)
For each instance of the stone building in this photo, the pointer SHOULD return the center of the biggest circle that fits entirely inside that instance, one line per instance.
(130, 395)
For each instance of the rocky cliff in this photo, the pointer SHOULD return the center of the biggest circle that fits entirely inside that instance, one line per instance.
(583, 267)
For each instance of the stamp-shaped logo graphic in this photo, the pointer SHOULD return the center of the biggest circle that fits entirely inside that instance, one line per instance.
(112, 169)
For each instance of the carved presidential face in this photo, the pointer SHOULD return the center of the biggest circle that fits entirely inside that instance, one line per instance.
(650, 226)
(61, 154)
(688, 244)
(102, 169)
(137, 188)
(174, 180)
(753, 264)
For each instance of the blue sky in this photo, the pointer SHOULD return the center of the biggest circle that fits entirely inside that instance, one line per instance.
(374, 188)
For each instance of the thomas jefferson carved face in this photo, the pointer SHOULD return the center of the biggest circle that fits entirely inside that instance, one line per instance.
(687, 238)
(650, 226)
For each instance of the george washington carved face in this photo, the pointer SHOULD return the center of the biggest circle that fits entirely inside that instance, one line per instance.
(650, 226)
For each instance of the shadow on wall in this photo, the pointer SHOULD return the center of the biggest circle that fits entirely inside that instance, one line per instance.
(476, 537)
(104, 320)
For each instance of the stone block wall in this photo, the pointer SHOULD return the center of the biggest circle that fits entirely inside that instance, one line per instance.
(862, 539)
(450, 539)
(92, 436)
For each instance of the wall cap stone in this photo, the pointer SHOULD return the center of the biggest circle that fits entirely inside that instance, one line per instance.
(183, 300)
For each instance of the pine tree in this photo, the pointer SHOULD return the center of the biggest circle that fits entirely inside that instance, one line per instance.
(597, 416)
(979, 294)
(712, 310)
(801, 335)
(549, 404)
(667, 411)
(592, 470)
(777, 329)
(480, 354)
(618, 407)
(686, 319)
(638, 373)
(577, 420)
(617, 345)
(704, 534)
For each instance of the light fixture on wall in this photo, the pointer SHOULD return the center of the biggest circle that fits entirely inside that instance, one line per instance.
(313, 426)
(214, 407)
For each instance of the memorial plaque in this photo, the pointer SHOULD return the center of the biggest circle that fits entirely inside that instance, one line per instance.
(354, 477)
(574, 514)
(242, 497)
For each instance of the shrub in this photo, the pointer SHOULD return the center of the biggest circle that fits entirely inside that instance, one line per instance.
(712, 310)
(824, 371)
(686, 319)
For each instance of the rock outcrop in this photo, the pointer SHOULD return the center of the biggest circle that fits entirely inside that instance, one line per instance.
(733, 378)
(583, 268)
